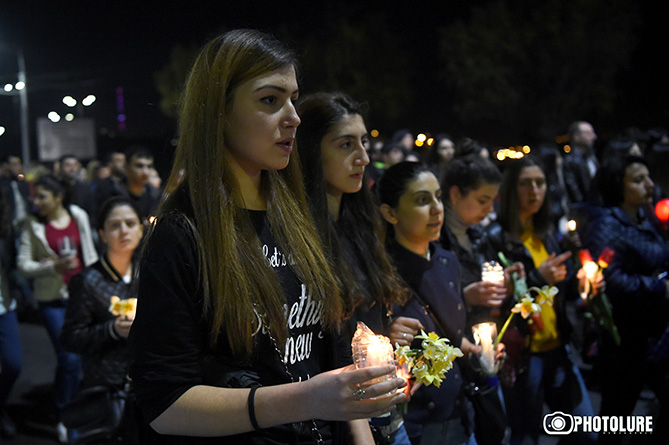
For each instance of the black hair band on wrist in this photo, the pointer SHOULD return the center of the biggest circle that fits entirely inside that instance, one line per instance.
(252, 409)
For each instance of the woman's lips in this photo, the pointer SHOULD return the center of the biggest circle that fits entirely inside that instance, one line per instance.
(286, 145)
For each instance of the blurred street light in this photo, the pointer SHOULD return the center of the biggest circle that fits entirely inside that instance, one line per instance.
(72, 102)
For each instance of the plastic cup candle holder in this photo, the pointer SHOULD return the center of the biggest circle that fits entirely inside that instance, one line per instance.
(485, 335)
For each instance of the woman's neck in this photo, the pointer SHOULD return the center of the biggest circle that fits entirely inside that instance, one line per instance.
(59, 218)
(334, 204)
(421, 248)
(121, 262)
(526, 223)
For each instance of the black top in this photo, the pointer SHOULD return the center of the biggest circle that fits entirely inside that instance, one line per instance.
(170, 335)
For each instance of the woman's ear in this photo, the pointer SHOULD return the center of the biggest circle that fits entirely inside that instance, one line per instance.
(388, 214)
(454, 194)
(102, 236)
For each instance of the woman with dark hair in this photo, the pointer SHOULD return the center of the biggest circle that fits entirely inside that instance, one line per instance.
(470, 189)
(546, 372)
(90, 328)
(441, 153)
(235, 333)
(410, 198)
(332, 144)
(56, 244)
(638, 289)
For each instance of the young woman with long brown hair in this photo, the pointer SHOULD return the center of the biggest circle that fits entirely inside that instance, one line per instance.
(235, 291)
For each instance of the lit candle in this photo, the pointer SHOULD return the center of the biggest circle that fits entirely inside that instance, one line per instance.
(371, 350)
(492, 272)
(485, 335)
(571, 226)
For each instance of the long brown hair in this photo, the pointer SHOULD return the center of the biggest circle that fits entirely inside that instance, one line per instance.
(359, 220)
(236, 276)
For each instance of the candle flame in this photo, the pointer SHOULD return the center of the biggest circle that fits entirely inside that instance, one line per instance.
(571, 225)
(591, 268)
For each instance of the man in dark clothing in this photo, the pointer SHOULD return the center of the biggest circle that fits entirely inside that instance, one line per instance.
(136, 186)
(580, 165)
(79, 192)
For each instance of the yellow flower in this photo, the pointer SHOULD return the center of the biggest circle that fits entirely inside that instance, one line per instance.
(526, 307)
(125, 308)
(546, 294)
(430, 364)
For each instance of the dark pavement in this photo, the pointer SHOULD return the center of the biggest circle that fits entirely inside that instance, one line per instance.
(30, 401)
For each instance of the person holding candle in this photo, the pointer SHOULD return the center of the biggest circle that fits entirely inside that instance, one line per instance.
(471, 185)
(546, 372)
(638, 289)
(235, 337)
(333, 144)
(56, 244)
(90, 329)
(410, 198)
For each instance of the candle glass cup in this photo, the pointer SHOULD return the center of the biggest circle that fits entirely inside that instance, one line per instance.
(485, 335)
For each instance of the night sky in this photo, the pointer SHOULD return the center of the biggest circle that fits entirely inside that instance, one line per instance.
(96, 47)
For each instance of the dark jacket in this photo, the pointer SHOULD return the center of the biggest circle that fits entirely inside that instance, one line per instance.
(577, 178)
(470, 266)
(438, 283)
(89, 325)
(638, 296)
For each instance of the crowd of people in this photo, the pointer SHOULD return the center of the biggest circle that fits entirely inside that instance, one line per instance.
(283, 224)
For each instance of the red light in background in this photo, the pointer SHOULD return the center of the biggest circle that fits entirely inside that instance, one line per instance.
(662, 210)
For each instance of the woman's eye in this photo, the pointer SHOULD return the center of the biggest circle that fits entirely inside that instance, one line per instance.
(269, 100)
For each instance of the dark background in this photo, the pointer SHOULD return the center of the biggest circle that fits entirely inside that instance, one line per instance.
(503, 72)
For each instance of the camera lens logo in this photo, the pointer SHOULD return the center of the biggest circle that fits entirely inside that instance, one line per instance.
(558, 423)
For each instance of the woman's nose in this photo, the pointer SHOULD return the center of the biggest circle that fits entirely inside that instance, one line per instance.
(363, 158)
(437, 206)
(292, 119)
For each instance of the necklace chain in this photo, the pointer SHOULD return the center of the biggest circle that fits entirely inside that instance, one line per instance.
(318, 439)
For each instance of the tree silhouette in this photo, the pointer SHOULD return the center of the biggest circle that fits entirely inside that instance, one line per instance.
(171, 78)
(530, 68)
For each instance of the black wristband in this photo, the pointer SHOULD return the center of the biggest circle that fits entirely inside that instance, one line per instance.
(252, 409)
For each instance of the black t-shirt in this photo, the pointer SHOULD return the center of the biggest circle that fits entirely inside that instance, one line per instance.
(170, 335)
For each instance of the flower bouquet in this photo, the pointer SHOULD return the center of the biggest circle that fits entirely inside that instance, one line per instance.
(429, 364)
(598, 304)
